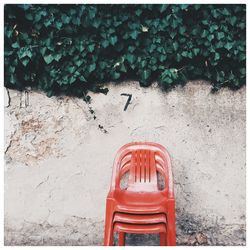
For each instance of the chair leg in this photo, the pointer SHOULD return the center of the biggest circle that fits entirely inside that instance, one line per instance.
(163, 239)
(121, 240)
(108, 232)
(171, 228)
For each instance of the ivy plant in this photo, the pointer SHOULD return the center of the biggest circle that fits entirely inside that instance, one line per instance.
(70, 49)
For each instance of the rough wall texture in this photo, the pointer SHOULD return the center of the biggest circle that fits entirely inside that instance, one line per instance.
(59, 153)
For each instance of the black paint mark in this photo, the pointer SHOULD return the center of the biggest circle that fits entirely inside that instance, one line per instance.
(91, 110)
(102, 129)
(128, 101)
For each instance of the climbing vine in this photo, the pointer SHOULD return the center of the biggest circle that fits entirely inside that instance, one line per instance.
(70, 49)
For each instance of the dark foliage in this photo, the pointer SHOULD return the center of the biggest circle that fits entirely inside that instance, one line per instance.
(69, 49)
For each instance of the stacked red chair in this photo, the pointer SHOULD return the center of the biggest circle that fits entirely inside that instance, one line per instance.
(142, 207)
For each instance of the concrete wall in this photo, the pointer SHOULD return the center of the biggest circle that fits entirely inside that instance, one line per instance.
(59, 153)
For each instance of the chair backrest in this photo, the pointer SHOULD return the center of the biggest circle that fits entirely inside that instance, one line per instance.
(143, 160)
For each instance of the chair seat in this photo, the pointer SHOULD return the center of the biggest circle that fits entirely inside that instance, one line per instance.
(142, 203)
(140, 218)
(139, 229)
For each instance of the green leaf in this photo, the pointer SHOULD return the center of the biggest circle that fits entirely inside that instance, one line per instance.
(79, 62)
(175, 46)
(132, 66)
(228, 46)
(48, 58)
(219, 45)
(47, 23)
(182, 30)
(134, 34)
(72, 79)
(12, 69)
(96, 23)
(138, 12)
(197, 6)
(76, 21)
(65, 19)
(145, 74)
(225, 12)
(81, 47)
(204, 33)
(233, 20)
(102, 65)
(38, 17)
(57, 57)
(92, 67)
(131, 49)
(242, 25)
(213, 27)
(12, 79)
(26, 77)
(167, 80)
(91, 47)
(183, 6)
(82, 79)
(123, 68)
(151, 48)
(105, 43)
(43, 50)
(29, 16)
(58, 25)
(8, 33)
(92, 12)
(178, 57)
(71, 69)
(131, 58)
(210, 37)
(174, 23)
(196, 51)
(163, 7)
(161, 50)
(220, 35)
(25, 61)
(242, 57)
(116, 75)
(24, 6)
(143, 63)
(216, 56)
(172, 34)
(15, 45)
(162, 58)
(205, 22)
(184, 53)
(113, 40)
(23, 52)
(215, 13)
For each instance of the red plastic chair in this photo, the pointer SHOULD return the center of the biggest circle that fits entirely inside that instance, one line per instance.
(125, 208)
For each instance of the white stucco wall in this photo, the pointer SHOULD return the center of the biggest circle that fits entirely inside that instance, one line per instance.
(59, 155)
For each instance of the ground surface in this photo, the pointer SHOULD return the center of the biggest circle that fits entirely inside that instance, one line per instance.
(59, 153)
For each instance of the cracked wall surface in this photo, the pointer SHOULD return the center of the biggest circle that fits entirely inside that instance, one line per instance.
(59, 153)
